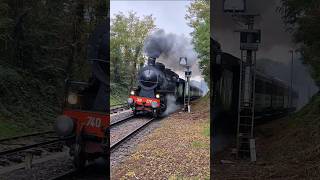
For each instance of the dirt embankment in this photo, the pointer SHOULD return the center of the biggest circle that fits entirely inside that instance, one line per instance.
(287, 148)
(178, 149)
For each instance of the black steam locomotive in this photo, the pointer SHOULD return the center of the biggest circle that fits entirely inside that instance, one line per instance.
(271, 94)
(156, 85)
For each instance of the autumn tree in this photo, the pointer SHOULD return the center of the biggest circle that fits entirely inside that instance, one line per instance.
(40, 43)
(303, 21)
(127, 36)
(198, 17)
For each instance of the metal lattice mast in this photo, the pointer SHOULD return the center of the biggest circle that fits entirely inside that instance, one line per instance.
(249, 40)
(245, 125)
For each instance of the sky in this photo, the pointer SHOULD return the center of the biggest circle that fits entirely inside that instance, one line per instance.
(169, 15)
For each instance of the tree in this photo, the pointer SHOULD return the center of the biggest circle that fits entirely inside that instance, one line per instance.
(6, 26)
(127, 36)
(199, 19)
(39, 42)
(303, 21)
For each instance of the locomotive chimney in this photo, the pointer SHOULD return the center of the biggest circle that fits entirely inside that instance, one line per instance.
(151, 61)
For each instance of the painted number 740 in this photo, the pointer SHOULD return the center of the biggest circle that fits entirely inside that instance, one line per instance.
(94, 122)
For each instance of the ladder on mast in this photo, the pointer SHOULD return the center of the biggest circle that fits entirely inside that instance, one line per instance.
(245, 126)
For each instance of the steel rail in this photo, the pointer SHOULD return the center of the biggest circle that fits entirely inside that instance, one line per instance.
(24, 136)
(116, 144)
(23, 148)
(121, 121)
(65, 175)
(117, 107)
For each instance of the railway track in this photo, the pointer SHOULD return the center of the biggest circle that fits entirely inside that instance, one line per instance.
(139, 124)
(92, 171)
(118, 108)
(17, 149)
(117, 122)
(25, 136)
(25, 142)
(118, 134)
(65, 175)
(25, 149)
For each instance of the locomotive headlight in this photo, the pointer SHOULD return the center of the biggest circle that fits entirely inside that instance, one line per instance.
(154, 104)
(158, 96)
(132, 92)
(130, 100)
(72, 98)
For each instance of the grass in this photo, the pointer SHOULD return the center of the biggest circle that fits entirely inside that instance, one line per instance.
(201, 104)
(27, 103)
(198, 144)
(10, 129)
(287, 148)
(179, 177)
(206, 129)
(118, 94)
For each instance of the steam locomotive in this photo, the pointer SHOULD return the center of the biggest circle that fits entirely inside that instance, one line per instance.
(85, 121)
(156, 84)
(272, 96)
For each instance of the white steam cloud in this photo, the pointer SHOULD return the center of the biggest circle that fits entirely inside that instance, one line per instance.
(172, 106)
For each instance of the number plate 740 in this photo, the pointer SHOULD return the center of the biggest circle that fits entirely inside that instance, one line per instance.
(94, 122)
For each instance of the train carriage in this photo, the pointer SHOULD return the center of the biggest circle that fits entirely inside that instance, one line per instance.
(271, 94)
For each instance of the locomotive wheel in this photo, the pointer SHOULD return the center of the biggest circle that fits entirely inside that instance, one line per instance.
(79, 158)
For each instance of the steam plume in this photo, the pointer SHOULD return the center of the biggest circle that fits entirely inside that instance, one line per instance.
(171, 105)
(169, 47)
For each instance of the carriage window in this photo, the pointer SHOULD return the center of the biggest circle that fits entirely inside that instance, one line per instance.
(226, 88)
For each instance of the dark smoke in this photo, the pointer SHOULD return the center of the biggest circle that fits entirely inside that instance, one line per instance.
(273, 54)
(169, 47)
(159, 43)
(269, 21)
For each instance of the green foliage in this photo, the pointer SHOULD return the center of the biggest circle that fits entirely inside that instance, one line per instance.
(8, 129)
(206, 129)
(199, 144)
(199, 19)
(127, 36)
(41, 43)
(303, 20)
(119, 94)
(26, 102)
